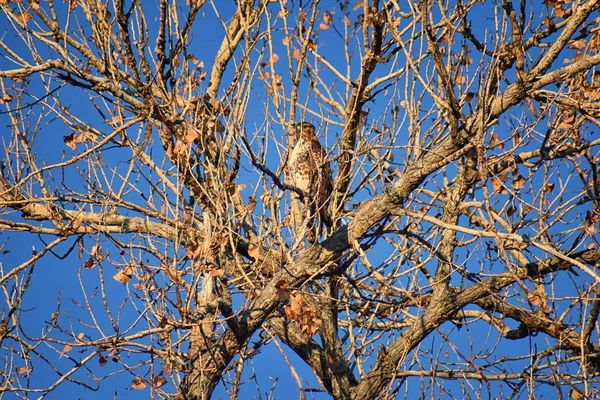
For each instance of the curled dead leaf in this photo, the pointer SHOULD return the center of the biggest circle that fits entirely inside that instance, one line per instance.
(158, 381)
(138, 384)
(519, 182)
(254, 251)
(548, 187)
(124, 275)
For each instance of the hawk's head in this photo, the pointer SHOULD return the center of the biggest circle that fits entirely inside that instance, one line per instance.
(306, 131)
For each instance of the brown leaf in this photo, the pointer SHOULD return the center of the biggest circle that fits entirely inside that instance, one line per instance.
(97, 252)
(23, 18)
(251, 204)
(216, 272)
(23, 370)
(496, 142)
(102, 361)
(519, 182)
(89, 263)
(158, 381)
(567, 122)
(498, 185)
(576, 394)
(124, 275)
(138, 384)
(5, 98)
(191, 136)
(254, 251)
(70, 140)
(548, 187)
(65, 350)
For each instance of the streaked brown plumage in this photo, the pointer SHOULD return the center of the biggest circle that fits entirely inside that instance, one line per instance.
(309, 171)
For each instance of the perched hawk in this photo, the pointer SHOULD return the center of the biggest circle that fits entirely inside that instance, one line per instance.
(309, 171)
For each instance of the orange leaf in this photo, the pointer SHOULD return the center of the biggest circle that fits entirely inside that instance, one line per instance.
(498, 186)
(138, 384)
(158, 381)
(124, 275)
(519, 182)
(534, 299)
(495, 141)
(254, 251)
(65, 350)
(70, 140)
(216, 272)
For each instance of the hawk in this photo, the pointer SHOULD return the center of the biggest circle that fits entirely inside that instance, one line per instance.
(309, 171)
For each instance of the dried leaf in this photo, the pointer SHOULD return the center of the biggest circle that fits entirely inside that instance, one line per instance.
(23, 18)
(69, 140)
(576, 394)
(138, 384)
(496, 142)
(251, 204)
(65, 350)
(102, 361)
(23, 371)
(5, 98)
(89, 263)
(254, 251)
(124, 275)
(567, 122)
(158, 381)
(498, 185)
(519, 182)
(216, 272)
(191, 136)
(96, 251)
(549, 187)
(534, 299)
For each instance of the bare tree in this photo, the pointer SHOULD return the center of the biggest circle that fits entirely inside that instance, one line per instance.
(461, 258)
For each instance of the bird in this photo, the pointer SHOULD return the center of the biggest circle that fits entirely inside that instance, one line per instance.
(309, 171)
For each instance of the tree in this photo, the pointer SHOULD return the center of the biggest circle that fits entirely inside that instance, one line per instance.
(142, 145)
